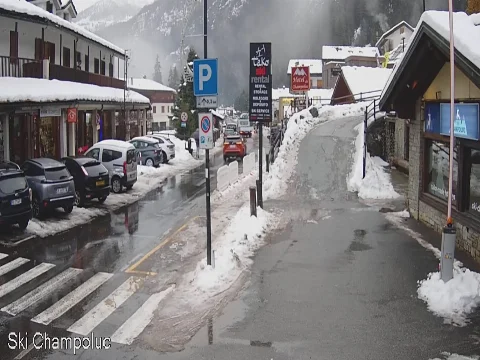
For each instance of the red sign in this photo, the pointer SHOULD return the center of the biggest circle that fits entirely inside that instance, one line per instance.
(71, 115)
(300, 80)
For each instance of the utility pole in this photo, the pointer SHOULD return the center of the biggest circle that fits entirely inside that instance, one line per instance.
(125, 67)
(207, 151)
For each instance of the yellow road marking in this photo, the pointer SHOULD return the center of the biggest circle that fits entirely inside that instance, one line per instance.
(132, 269)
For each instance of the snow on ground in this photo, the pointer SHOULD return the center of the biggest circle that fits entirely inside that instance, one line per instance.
(148, 178)
(276, 181)
(449, 356)
(377, 183)
(233, 251)
(453, 300)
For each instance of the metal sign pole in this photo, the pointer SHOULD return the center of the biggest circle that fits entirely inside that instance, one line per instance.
(207, 151)
(449, 233)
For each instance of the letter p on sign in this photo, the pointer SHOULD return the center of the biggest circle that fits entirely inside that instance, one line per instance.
(205, 77)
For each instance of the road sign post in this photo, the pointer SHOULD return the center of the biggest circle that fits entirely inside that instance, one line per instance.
(260, 99)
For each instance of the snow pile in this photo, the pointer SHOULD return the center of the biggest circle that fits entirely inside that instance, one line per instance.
(275, 184)
(365, 82)
(233, 251)
(449, 356)
(452, 300)
(377, 184)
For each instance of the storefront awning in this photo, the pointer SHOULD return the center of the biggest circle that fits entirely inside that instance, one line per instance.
(30, 91)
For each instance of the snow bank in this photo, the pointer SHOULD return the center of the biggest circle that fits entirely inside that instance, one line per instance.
(452, 300)
(449, 356)
(377, 184)
(233, 251)
(275, 184)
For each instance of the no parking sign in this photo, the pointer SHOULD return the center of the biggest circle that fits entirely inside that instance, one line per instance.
(205, 128)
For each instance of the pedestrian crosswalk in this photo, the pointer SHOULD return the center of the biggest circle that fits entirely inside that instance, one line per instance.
(75, 300)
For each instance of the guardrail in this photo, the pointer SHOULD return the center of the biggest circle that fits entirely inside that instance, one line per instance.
(371, 112)
(276, 140)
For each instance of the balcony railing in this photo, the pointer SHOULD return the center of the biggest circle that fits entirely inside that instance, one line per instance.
(69, 74)
(20, 67)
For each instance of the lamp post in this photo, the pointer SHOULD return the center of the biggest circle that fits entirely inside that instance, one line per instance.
(449, 233)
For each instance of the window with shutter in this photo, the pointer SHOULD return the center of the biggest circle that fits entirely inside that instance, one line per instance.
(13, 46)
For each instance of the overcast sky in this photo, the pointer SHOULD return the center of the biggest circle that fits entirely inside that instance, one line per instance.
(81, 5)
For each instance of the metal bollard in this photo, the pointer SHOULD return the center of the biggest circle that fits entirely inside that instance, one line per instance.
(253, 201)
(449, 235)
(268, 162)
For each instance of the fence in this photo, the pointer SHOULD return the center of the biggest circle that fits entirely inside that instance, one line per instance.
(228, 174)
(20, 67)
(371, 112)
(276, 140)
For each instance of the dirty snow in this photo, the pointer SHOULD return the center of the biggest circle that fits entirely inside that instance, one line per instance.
(276, 181)
(377, 182)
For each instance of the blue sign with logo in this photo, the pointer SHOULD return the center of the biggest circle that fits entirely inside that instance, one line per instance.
(466, 121)
(205, 77)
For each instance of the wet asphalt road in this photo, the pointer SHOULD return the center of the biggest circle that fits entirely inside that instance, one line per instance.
(338, 282)
(107, 245)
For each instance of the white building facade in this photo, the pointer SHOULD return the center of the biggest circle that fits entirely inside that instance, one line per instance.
(395, 37)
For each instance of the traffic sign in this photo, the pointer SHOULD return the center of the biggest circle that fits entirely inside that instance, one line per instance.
(205, 77)
(207, 102)
(300, 79)
(205, 126)
(184, 117)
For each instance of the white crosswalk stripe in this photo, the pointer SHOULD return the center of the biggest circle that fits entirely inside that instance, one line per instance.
(104, 309)
(60, 283)
(72, 299)
(31, 274)
(41, 292)
(12, 265)
(3, 256)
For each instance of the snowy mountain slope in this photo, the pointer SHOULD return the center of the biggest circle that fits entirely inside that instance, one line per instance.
(105, 13)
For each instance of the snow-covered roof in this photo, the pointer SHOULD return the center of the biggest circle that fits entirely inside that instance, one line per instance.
(217, 114)
(147, 84)
(466, 30)
(320, 93)
(393, 29)
(26, 8)
(367, 81)
(314, 64)
(342, 52)
(282, 93)
(44, 90)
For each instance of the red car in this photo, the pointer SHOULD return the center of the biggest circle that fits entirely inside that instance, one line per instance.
(234, 146)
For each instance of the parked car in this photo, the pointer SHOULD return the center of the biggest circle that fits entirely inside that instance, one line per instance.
(90, 177)
(15, 196)
(234, 146)
(52, 185)
(148, 151)
(119, 157)
(167, 146)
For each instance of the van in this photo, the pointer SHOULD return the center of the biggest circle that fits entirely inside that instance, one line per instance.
(119, 157)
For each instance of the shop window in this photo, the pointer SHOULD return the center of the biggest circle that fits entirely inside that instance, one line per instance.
(474, 182)
(438, 157)
(66, 57)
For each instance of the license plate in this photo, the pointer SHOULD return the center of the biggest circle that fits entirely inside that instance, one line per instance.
(233, 146)
(62, 190)
(16, 202)
(100, 183)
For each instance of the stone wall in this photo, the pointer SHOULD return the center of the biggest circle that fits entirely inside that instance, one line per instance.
(415, 162)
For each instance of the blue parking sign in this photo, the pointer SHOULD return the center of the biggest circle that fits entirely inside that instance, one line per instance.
(205, 77)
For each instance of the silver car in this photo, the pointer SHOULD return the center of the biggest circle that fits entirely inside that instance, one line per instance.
(167, 146)
(52, 185)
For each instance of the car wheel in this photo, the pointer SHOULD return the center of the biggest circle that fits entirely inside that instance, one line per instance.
(102, 199)
(164, 157)
(68, 209)
(36, 211)
(116, 185)
(79, 200)
(149, 162)
(23, 224)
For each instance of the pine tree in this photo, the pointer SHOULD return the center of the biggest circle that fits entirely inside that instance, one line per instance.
(473, 6)
(186, 102)
(173, 80)
(157, 71)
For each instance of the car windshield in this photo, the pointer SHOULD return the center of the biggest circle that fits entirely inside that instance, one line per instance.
(10, 184)
(57, 173)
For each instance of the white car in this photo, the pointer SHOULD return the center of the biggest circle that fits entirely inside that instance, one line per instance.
(167, 146)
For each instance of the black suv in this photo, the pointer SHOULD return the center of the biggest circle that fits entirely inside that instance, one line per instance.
(15, 196)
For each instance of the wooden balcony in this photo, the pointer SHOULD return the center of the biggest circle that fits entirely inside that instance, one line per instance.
(21, 67)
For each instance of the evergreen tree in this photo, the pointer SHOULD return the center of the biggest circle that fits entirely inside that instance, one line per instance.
(473, 6)
(157, 71)
(186, 102)
(173, 79)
